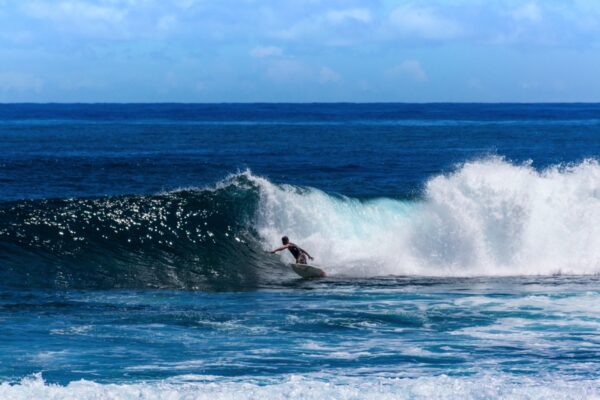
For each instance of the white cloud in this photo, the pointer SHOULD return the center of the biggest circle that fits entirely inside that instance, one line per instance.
(409, 69)
(327, 26)
(74, 10)
(112, 19)
(529, 12)
(266, 51)
(424, 22)
(186, 4)
(328, 75)
(354, 14)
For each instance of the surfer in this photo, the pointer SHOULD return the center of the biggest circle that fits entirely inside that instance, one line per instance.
(298, 253)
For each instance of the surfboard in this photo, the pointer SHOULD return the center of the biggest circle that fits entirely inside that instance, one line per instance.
(308, 271)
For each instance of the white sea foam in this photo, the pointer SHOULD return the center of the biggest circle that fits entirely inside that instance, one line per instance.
(489, 217)
(295, 387)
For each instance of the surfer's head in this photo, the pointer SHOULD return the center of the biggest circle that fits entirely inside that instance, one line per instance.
(285, 240)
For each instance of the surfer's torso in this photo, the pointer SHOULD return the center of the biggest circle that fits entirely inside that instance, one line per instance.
(297, 253)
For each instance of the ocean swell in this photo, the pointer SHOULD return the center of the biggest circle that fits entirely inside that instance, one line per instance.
(190, 239)
(487, 217)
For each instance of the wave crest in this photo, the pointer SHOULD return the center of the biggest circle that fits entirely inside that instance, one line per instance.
(488, 217)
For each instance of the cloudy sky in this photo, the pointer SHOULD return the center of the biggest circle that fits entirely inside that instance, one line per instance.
(299, 50)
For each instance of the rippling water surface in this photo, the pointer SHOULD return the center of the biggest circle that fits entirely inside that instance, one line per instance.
(461, 242)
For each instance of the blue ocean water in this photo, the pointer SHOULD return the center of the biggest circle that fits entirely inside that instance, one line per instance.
(461, 243)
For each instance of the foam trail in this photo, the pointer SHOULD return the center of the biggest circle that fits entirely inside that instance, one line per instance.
(295, 387)
(489, 217)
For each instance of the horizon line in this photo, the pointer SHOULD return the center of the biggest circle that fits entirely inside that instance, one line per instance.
(297, 102)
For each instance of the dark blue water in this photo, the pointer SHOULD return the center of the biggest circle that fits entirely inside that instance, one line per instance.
(461, 242)
(359, 150)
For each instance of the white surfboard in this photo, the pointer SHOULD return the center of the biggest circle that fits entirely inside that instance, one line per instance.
(308, 271)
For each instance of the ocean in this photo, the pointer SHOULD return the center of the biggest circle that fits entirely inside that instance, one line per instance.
(461, 244)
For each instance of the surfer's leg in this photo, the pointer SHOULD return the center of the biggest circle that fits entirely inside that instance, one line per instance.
(301, 259)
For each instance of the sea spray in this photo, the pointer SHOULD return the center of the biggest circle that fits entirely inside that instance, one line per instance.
(488, 217)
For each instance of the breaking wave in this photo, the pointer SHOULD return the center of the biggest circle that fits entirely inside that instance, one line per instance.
(297, 387)
(488, 217)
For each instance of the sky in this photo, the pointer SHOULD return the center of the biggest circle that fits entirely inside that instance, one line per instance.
(299, 51)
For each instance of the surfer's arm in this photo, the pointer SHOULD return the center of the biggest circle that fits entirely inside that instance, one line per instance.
(280, 248)
(306, 252)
